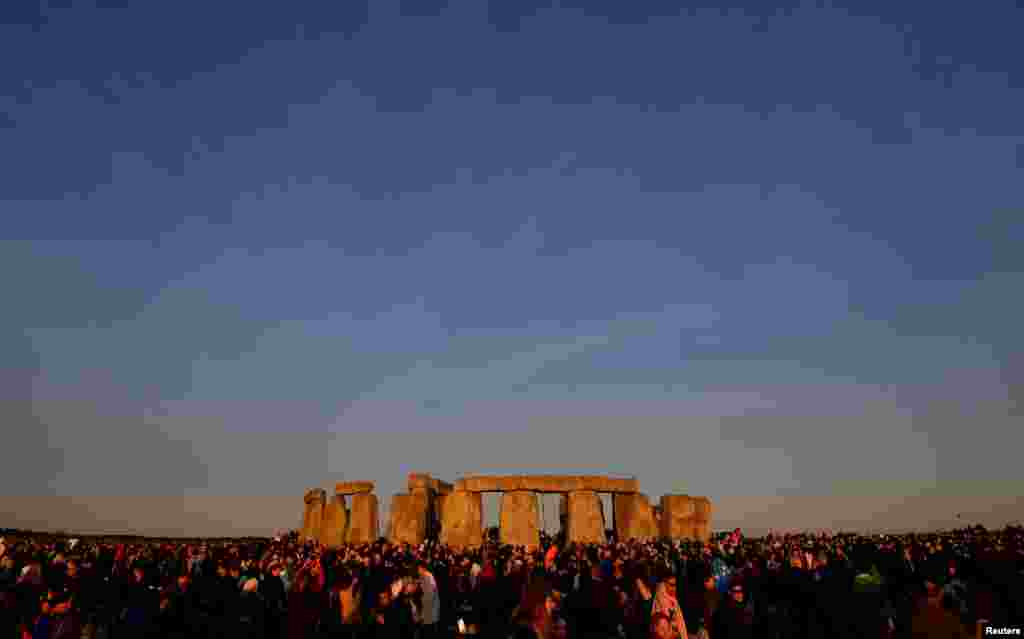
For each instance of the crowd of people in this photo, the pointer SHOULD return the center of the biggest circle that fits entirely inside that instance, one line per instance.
(778, 586)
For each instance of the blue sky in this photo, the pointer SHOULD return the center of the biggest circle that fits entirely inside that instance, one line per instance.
(755, 250)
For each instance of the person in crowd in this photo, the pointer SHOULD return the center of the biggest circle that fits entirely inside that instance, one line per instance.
(403, 619)
(38, 624)
(249, 615)
(935, 617)
(533, 618)
(305, 603)
(779, 586)
(345, 611)
(733, 619)
(638, 617)
(666, 603)
(702, 604)
(431, 600)
(274, 592)
(8, 597)
(180, 614)
(661, 627)
(559, 628)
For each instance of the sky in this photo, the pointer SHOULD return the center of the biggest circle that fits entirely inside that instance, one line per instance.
(767, 252)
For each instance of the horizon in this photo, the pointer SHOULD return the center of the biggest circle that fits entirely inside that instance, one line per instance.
(201, 516)
(11, 532)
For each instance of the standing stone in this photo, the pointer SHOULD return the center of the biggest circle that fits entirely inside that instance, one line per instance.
(335, 522)
(409, 518)
(424, 481)
(702, 519)
(423, 485)
(363, 520)
(586, 517)
(519, 515)
(312, 516)
(462, 515)
(677, 516)
(634, 518)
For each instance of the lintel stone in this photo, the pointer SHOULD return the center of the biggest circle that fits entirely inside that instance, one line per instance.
(353, 487)
(547, 483)
(315, 494)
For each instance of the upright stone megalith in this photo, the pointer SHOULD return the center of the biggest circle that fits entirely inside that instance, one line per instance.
(409, 518)
(425, 481)
(335, 522)
(434, 490)
(702, 519)
(462, 519)
(313, 513)
(586, 517)
(519, 515)
(634, 517)
(677, 516)
(363, 519)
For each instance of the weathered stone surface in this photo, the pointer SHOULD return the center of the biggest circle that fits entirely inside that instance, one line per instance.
(335, 522)
(682, 516)
(634, 517)
(409, 518)
(586, 517)
(424, 482)
(462, 516)
(419, 485)
(702, 518)
(312, 514)
(363, 519)
(676, 516)
(519, 519)
(702, 530)
(547, 483)
(353, 487)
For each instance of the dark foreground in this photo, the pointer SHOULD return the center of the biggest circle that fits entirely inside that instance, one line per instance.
(935, 585)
